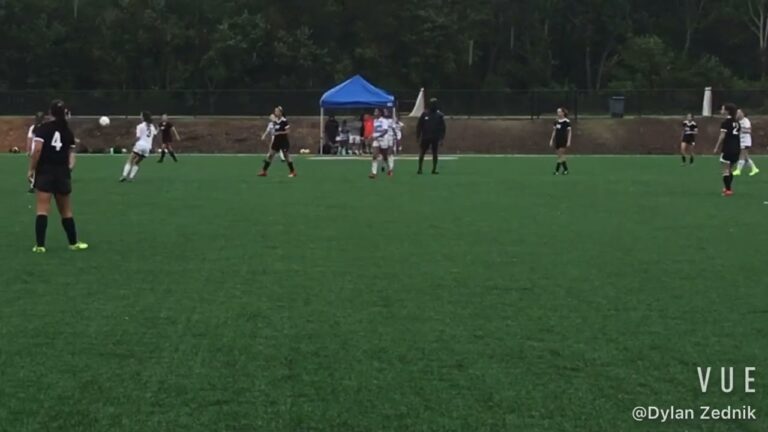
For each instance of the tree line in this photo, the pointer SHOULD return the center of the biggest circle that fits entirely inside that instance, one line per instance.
(400, 44)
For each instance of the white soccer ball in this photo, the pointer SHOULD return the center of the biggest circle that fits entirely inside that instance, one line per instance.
(104, 121)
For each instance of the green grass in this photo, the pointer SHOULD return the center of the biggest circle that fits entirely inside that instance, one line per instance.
(494, 297)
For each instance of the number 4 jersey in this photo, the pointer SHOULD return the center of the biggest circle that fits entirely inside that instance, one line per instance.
(57, 141)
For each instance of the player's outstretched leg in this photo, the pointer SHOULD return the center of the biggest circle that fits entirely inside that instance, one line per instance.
(267, 163)
(173, 154)
(727, 178)
(162, 154)
(422, 153)
(289, 161)
(135, 168)
(127, 168)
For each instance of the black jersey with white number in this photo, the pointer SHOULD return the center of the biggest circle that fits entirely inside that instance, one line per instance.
(732, 129)
(57, 140)
(690, 128)
(166, 129)
(281, 125)
(562, 127)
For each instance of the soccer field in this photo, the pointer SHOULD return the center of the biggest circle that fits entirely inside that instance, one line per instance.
(494, 297)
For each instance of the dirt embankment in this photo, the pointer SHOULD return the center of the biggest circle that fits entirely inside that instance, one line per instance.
(479, 135)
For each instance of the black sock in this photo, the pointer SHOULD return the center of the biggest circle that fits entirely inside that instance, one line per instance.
(41, 226)
(691, 159)
(421, 161)
(267, 163)
(162, 155)
(69, 228)
(290, 166)
(728, 181)
(173, 156)
(684, 160)
(557, 167)
(434, 161)
(565, 166)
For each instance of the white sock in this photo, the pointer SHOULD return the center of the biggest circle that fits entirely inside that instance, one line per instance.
(126, 169)
(391, 162)
(282, 155)
(134, 170)
(375, 166)
(740, 165)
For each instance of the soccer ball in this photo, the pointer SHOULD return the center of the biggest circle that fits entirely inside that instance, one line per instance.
(304, 151)
(104, 121)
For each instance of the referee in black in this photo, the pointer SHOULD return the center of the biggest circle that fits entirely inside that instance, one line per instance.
(430, 131)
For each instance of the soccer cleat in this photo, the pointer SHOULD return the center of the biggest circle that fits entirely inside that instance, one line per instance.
(389, 173)
(39, 249)
(435, 172)
(123, 179)
(565, 172)
(371, 176)
(292, 175)
(727, 193)
(263, 174)
(79, 246)
(754, 172)
(31, 190)
(737, 173)
(419, 172)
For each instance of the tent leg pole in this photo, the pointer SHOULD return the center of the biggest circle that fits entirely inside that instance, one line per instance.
(322, 119)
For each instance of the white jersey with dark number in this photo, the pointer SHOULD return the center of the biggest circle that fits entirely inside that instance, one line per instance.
(145, 134)
(746, 133)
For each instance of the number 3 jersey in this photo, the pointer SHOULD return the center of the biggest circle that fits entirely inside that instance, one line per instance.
(58, 141)
(145, 133)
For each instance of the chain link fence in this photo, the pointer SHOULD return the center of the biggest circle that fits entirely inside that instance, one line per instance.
(513, 103)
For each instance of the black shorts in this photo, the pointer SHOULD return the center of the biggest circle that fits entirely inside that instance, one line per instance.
(427, 144)
(731, 157)
(55, 181)
(561, 145)
(167, 143)
(280, 145)
(689, 139)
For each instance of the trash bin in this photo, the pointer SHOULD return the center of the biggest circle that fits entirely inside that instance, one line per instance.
(616, 107)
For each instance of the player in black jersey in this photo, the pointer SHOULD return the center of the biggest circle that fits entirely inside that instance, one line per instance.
(280, 143)
(561, 139)
(690, 130)
(167, 133)
(50, 167)
(729, 145)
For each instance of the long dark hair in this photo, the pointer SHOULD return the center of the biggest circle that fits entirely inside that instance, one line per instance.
(730, 109)
(39, 118)
(147, 117)
(58, 110)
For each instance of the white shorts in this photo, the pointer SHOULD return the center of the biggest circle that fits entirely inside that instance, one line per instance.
(746, 145)
(385, 142)
(142, 149)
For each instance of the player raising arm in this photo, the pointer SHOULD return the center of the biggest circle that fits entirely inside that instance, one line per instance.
(50, 167)
(728, 145)
(145, 134)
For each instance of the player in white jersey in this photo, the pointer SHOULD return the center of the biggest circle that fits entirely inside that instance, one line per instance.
(382, 143)
(746, 144)
(145, 135)
(39, 119)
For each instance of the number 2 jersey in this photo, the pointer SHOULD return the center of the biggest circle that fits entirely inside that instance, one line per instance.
(732, 142)
(57, 141)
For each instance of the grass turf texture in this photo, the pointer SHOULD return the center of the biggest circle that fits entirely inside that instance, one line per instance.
(492, 297)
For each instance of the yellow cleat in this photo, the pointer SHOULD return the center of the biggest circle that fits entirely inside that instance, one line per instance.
(737, 173)
(79, 246)
(38, 249)
(754, 172)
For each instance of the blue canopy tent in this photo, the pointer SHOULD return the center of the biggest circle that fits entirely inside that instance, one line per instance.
(355, 92)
